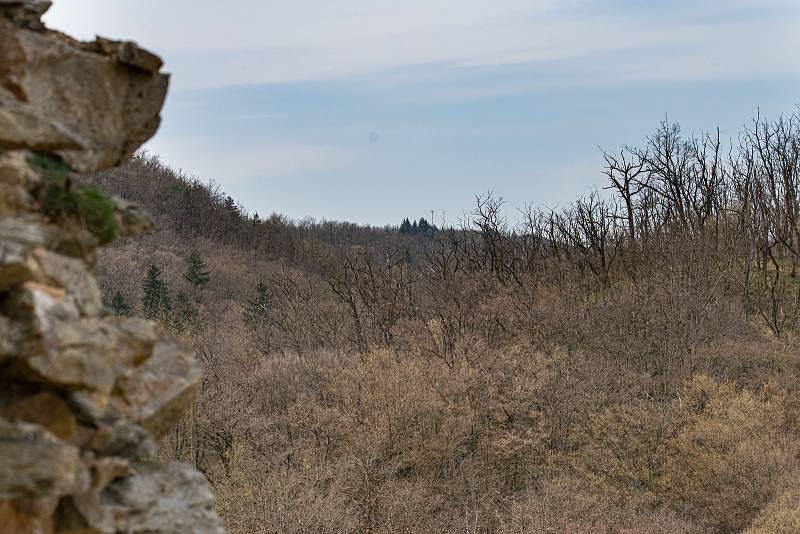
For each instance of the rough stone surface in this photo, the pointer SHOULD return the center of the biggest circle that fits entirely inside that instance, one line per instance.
(82, 353)
(28, 516)
(140, 504)
(84, 395)
(47, 105)
(36, 463)
(122, 438)
(156, 393)
(46, 409)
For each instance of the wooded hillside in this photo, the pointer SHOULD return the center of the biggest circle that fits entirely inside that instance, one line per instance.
(627, 363)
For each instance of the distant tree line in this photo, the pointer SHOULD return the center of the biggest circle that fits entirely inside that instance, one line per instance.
(417, 227)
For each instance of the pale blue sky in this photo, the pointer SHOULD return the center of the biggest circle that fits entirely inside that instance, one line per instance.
(371, 111)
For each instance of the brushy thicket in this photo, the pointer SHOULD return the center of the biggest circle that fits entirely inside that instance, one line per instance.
(626, 364)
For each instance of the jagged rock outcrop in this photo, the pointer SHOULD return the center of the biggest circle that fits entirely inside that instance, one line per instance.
(84, 395)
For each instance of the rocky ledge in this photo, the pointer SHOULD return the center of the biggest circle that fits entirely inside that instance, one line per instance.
(84, 395)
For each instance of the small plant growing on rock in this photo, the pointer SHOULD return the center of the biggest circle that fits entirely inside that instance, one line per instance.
(63, 200)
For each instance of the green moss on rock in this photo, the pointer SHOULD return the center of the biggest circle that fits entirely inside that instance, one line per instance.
(62, 199)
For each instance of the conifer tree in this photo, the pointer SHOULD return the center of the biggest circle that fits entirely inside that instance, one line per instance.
(118, 304)
(423, 226)
(405, 226)
(230, 206)
(196, 272)
(414, 228)
(156, 302)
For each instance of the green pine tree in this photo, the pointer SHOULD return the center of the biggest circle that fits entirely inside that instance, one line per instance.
(156, 302)
(196, 272)
(119, 305)
(405, 226)
(423, 226)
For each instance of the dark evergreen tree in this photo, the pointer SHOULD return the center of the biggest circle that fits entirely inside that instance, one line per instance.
(118, 304)
(196, 272)
(256, 219)
(156, 302)
(423, 226)
(414, 228)
(405, 226)
(230, 206)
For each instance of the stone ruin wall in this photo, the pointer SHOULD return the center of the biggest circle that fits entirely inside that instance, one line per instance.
(84, 395)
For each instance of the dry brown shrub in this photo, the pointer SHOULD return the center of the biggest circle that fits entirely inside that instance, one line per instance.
(568, 504)
(259, 498)
(781, 515)
(409, 415)
(730, 459)
(625, 448)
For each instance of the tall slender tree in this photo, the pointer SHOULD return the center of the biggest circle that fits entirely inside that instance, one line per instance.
(156, 302)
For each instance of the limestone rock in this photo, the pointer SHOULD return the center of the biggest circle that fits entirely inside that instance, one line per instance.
(41, 307)
(83, 353)
(83, 393)
(25, 13)
(9, 337)
(17, 239)
(156, 394)
(128, 53)
(28, 516)
(69, 273)
(122, 438)
(17, 179)
(169, 498)
(45, 409)
(47, 105)
(105, 470)
(34, 8)
(23, 242)
(84, 514)
(33, 462)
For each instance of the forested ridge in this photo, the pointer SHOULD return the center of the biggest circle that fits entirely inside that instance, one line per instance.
(626, 363)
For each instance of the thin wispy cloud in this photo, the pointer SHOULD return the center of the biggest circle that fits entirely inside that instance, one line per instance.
(279, 42)
(248, 162)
